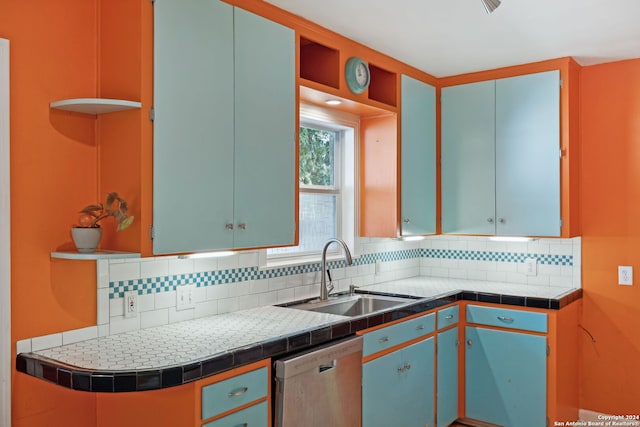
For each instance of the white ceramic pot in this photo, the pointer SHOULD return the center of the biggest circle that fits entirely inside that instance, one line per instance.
(86, 239)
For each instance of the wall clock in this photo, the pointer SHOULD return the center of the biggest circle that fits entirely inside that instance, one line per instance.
(356, 73)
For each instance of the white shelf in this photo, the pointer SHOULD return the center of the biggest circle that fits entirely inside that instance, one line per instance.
(95, 105)
(99, 254)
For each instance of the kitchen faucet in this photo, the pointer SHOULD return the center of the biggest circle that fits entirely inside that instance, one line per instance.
(324, 290)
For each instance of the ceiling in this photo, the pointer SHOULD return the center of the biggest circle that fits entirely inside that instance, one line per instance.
(450, 37)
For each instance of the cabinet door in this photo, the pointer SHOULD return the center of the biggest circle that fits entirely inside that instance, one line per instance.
(418, 142)
(193, 127)
(506, 377)
(468, 158)
(528, 155)
(447, 387)
(265, 134)
(398, 388)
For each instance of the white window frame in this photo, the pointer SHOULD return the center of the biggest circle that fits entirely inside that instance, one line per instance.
(325, 118)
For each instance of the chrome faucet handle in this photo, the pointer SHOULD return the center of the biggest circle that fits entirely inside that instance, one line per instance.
(330, 288)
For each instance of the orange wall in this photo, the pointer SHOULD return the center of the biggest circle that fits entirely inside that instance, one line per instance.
(53, 174)
(610, 136)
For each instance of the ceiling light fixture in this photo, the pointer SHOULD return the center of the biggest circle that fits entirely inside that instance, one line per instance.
(490, 5)
(333, 102)
(510, 239)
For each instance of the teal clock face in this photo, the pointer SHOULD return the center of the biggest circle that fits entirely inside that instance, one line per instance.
(357, 75)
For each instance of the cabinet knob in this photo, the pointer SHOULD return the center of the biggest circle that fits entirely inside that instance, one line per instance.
(490, 220)
(469, 343)
(229, 226)
(242, 226)
(406, 220)
(502, 220)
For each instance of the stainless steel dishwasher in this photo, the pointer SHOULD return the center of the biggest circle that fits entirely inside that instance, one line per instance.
(320, 387)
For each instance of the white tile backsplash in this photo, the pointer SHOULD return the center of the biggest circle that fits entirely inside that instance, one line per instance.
(452, 257)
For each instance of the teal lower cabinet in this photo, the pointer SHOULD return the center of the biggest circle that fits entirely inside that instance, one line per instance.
(506, 377)
(254, 416)
(398, 388)
(447, 377)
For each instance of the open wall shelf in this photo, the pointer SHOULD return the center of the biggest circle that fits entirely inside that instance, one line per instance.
(95, 106)
(383, 86)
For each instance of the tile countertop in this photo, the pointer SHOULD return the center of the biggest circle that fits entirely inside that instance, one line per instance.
(178, 353)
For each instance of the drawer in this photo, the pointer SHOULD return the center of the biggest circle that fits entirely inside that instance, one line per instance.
(233, 392)
(505, 318)
(384, 338)
(253, 416)
(448, 316)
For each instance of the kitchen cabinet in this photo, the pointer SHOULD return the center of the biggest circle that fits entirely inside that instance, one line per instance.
(501, 156)
(398, 386)
(418, 157)
(239, 397)
(224, 128)
(447, 361)
(505, 369)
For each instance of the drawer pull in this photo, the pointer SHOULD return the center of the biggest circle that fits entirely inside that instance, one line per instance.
(419, 327)
(243, 425)
(238, 392)
(505, 319)
(449, 317)
(383, 339)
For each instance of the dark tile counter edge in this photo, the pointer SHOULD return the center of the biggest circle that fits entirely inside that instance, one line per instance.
(152, 379)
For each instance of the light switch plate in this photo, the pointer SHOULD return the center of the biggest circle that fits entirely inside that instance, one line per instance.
(625, 275)
(185, 297)
(531, 266)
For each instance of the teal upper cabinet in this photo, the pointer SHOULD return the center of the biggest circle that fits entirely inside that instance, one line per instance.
(224, 128)
(468, 158)
(418, 145)
(501, 156)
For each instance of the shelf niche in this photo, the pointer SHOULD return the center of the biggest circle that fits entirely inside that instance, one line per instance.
(383, 86)
(319, 63)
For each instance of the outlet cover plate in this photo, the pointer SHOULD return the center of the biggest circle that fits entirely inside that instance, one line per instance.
(130, 304)
(625, 275)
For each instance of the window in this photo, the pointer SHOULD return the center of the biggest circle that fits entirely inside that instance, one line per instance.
(326, 180)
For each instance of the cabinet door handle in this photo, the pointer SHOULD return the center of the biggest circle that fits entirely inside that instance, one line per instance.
(490, 220)
(242, 226)
(469, 343)
(383, 339)
(238, 392)
(505, 319)
(406, 220)
(229, 226)
(449, 317)
(406, 367)
(502, 220)
(243, 425)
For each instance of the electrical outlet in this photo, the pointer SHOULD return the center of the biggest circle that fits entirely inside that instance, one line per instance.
(185, 297)
(130, 304)
(531, 266)
(625, 275)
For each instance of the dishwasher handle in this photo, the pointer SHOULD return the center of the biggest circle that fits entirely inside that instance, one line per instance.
(327, 366)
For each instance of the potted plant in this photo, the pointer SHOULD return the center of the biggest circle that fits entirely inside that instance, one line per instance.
(86, 236)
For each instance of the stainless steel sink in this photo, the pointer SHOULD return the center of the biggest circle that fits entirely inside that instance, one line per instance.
(353, 305)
